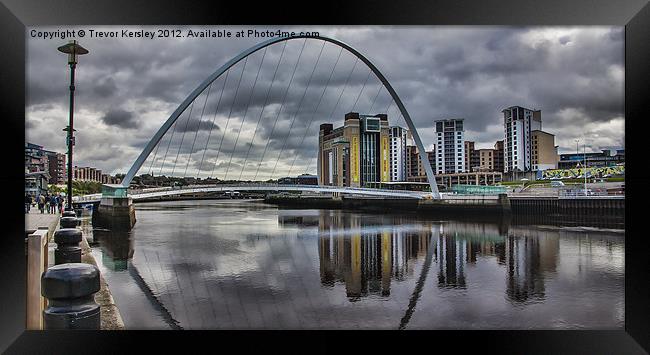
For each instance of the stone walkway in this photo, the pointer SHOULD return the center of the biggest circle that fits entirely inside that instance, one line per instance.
(34, 219)
(110, 314)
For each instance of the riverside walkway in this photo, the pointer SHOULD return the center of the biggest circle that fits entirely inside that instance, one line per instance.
(110, 315)
(35, 220)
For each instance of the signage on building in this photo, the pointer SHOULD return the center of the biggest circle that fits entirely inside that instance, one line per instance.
(354, 159)
(384, 159)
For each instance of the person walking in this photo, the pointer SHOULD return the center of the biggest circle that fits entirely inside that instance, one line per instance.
(47, 203)
(28, 202)
(60, 199)
(41, 203)
(53, 203)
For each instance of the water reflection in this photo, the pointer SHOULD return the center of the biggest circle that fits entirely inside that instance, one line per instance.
(116, 247)
(352, 250)
(242, 265)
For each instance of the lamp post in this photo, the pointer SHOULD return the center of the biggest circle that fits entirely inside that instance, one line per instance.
(72, 49)
(584, 154)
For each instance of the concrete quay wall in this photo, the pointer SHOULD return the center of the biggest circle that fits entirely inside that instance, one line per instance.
(479, 204)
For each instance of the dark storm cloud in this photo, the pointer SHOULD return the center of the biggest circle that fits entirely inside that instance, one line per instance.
(194, 125)
(574, 75)
(120, 118)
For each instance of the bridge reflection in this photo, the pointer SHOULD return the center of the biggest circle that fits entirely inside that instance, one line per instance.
(305, 268)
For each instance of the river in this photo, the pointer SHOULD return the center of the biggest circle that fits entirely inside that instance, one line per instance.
(237, 264)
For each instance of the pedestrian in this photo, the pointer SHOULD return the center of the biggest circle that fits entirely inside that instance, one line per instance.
(53, 203)
(47, 203)
(28, 202)
(41, 203)
(60, 198)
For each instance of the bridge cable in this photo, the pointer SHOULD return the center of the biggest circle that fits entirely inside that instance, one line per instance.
(375, 99)
(153, 160)
(212, 125)
(313, 114)
(259, 119)
(280, 110)
(338, 100)
(389, 105)
(250, 99)
(293, 119)
(360, 92)
(168, 145)
(229, 114)
(189, 117)
(344, 87)
(198, 128)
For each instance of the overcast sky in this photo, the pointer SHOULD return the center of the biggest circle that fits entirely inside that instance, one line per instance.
(127, 87)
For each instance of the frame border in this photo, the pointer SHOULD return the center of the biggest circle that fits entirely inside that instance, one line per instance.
(633, 14)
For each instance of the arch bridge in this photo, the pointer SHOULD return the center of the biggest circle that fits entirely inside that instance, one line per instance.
(174, 123)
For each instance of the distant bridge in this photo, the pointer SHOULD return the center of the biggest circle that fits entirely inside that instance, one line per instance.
(169, 191)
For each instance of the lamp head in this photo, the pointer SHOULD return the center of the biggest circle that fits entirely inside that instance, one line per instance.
(72, 49)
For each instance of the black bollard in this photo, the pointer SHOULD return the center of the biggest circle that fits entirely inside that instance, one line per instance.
(71, 213)
(67, 246)
(70, 290)
(68, 222)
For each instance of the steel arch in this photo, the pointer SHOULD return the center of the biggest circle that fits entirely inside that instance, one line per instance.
(194, 94)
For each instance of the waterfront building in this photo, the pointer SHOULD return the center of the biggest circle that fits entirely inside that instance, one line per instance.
(472, 161)
(399, 139)
(303, 179)
(544, 151)
(355, 153)
(606, 158)
(486, 159)
(498, 156)
(57, 168)
(450, 150)
(473, 178)
(39, 159)
(36, 183)
(518, 124)
(88, 173)
(415, 170)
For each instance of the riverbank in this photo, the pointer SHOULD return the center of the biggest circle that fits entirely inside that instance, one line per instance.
(610, 208)
(110, 317)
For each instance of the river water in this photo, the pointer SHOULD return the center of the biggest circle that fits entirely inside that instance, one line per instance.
(240, 264)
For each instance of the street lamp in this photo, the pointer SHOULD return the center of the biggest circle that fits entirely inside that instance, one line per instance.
(584, 154)
(72, 49)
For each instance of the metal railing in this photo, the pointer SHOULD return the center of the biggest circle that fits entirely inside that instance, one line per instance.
(87, 198)
(581, 193)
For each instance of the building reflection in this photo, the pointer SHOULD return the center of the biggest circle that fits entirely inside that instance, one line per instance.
(530, 255)
(116, 248)
(368, 252)
(365, 253)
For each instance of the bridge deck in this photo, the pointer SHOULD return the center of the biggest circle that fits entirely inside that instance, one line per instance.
(168, 191)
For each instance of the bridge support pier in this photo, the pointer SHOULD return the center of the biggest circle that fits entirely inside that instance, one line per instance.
(115, 211)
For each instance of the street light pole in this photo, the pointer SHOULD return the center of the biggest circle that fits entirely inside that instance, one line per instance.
(72, 49)
(584, 152)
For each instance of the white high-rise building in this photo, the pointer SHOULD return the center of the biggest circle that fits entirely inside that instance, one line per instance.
(450, 146)
(399, 138)
(518, 125)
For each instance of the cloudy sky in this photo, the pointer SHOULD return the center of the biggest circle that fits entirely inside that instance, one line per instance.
(127, 87)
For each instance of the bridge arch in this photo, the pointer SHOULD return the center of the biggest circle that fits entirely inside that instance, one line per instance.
(194, 94)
